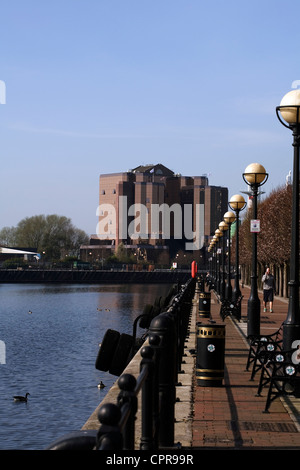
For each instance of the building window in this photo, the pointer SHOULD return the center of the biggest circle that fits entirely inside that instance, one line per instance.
(103, 191)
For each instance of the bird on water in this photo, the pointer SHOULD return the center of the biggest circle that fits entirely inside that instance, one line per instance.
(101, 384)
(20, 398)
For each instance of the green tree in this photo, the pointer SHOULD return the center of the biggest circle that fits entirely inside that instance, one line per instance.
(123, 255)
(30, 232)
(54, 235)
(8, 236)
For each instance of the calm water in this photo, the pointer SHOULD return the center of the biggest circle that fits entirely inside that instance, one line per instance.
(51, 354)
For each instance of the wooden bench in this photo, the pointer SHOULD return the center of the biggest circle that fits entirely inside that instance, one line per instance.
(230, 308)
(259, 346)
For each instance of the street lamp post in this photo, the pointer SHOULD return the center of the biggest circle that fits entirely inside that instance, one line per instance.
(223, 227)
(212, 273)
(212, 263)
(288, 114)
(209, 260)
(214, 276)
(216, 283)
(218, 235)
(237, 204)
(229, 218)
(255, 176)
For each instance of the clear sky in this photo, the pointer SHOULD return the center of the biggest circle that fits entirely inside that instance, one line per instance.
(101, 86)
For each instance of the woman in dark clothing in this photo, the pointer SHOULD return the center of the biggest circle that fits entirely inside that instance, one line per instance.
(268, 289)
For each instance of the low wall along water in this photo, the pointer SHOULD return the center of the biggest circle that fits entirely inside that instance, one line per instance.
(92, 276)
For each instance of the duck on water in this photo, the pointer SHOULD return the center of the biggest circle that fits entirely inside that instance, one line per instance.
(20, 398)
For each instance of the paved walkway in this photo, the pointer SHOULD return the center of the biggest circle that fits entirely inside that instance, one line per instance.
(231, 416)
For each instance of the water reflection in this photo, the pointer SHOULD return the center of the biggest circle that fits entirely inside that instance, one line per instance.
(51, 353)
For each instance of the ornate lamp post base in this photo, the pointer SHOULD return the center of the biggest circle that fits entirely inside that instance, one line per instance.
(253, 311)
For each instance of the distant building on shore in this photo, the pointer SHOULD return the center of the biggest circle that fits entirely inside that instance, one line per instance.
(153, 213)
(26, 254)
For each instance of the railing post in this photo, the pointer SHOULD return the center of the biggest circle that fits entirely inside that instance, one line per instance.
(182, 312)
(127, 397)
(164, 326)
(109, 436)
(148, 399)
(154, 341)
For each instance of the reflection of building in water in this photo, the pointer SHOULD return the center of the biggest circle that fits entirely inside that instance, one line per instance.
(147, 187)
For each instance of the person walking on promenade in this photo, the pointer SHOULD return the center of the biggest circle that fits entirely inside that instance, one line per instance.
(268, 289)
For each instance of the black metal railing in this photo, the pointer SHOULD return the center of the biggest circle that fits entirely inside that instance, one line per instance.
(156, 385)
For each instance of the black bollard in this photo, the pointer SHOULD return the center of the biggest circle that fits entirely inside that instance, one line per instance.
(148, 399)
(204, 304)
(201, 284)
(127, 401)
(164, 326)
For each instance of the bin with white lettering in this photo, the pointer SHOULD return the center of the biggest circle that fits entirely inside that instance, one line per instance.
(210, 355)
(204, 304)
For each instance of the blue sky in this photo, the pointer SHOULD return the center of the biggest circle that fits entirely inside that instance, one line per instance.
(101, 86)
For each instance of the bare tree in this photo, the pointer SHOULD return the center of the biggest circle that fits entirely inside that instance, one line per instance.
(274, 239)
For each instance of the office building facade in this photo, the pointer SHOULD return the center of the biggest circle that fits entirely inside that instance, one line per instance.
(153, 210)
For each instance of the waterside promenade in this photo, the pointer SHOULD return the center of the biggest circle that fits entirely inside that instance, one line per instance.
(231, 416)
(228, 417)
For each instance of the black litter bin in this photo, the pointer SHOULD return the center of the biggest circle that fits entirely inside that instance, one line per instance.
(201, 284)
(210, 355)
(204, 304)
